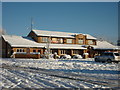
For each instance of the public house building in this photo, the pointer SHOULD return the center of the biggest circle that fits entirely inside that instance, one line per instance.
(38, 42)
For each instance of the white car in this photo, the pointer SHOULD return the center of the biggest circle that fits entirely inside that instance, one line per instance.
(77, 57)
(108, 57)
(65, 57)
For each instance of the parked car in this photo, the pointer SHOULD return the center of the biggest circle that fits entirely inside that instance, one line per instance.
(108, 57)
(65, 57)
(77, 57)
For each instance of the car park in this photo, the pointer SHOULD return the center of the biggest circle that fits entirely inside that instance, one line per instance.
(108, 57)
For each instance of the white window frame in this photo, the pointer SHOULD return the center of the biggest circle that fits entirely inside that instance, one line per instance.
(60, 40)
(90, 42)
(44, 39)
(69, 41)
(80, 41)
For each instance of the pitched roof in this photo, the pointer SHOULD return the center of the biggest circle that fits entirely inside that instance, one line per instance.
(59, 34)
(18, 41)
(104, 45)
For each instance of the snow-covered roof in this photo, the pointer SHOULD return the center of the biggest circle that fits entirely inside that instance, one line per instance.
(104, 45)
(53, 33)
(59, 34)
(18, 41)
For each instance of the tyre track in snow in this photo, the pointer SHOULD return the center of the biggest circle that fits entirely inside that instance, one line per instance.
(40, 81)
(55, 83)
(23, 78)
(104, 82)
(33, 83)
(36, 80)
(8, 80)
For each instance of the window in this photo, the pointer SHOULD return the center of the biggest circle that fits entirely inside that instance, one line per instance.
(80, 41)
(39, 50)
(75, 52)
(34, 50)
(44, 39)
(20, 50)
(60, 40)
(54, 40)
(63, 51)
(69, 40)
(90, 42)
(107, 54)
(116, 54)
(57, 40)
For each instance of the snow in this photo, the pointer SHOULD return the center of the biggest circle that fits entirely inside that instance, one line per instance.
(73, 68)
(104, 45)
(59, 34)
(18, 41)
(53, 33)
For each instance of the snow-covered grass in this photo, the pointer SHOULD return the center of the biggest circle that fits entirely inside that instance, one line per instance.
(85, 67)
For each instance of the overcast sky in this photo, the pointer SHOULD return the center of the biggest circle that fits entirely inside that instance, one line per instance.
(100, 19)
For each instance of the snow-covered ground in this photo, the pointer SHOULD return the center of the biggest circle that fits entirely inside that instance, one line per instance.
(79, 73)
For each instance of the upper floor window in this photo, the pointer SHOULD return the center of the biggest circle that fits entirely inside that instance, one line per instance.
(57, 40)
(60, 40)
(80, 41)
(90, 42)
(69, 40)
(54, 40)
(44, 39)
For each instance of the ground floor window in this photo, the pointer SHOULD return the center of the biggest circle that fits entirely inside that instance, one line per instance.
(75, 51)
(39, 50)
(63, 51)
(20, 50)
(34, 50)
